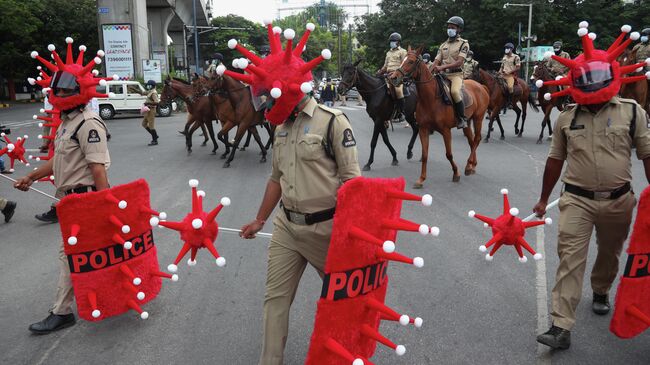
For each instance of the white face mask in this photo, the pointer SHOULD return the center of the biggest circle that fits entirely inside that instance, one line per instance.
(451, 33)
(508, 50)
(393, 44)
(644, 39)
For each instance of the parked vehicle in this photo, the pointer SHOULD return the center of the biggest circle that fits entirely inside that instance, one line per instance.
(129, 98)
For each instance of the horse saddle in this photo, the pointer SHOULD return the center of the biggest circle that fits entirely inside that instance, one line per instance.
(444, 89)
(516, 89)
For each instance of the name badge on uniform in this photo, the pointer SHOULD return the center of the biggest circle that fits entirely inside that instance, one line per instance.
(576, 127)
(348, 138)
(283, 134)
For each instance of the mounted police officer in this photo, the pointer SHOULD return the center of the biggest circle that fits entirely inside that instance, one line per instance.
(469, 66)
(642, 49)
(427, 61)
(451, 55)
(212, 69)
(510, 65)
(149, 120)
(556, 68)
(393, 61)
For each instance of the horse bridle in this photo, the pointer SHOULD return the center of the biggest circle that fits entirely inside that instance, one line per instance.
(411, 75)
(355, 78)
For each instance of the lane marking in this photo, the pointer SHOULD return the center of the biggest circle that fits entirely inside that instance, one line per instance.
(543, 352)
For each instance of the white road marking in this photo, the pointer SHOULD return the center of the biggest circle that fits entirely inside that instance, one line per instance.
(543, 352)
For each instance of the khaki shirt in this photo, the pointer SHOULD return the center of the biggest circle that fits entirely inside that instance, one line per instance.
(598, 148)
(394, 59)
(308, 177)
(642, 51)
(152, 98)
(450, 50)
(71, 157)
(509, 63)
(469, 67)
(556, 67)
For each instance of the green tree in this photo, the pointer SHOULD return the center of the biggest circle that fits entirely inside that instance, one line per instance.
(250, 34)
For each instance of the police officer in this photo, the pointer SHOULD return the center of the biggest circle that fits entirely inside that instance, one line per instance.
(510, 65)
(212, 69)
(79, 165)
(427, 61)
(596, 142)
(642, 49)
(392, 62)
(451, 55)
(265, 50)
(149, 120)
(306, 177)
(556, 68)
(469, 66)
(7, 208)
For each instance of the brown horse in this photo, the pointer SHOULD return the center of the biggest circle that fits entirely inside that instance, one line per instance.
(541, 72)
(433, 114)
(498, 91)
(201, 110)
(245, 118)
(636, 90)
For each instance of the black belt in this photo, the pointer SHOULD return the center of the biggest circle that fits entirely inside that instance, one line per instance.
(307, 219)
(598, 195)
(453, 70)
(80, 190)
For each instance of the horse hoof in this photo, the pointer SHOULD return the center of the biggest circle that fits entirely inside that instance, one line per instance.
(418, 185)
(189, 152)
(539, 141)
(204, 144)
(213, 153)
(409, 155)
(468, 171)
(519, 135)
(366, 168)
(456, 178)
(549, 138)
(223, 157)
(226, 165)
(263, 160)
(243, 149)
(395, 163)
(486, 140)
(516, 131)
(503, 138)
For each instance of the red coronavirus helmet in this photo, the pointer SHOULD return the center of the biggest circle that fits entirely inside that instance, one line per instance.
(283, 73)
(595, 76)
(71, 75)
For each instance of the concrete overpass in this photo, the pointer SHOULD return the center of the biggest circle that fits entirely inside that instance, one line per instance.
(151, 22)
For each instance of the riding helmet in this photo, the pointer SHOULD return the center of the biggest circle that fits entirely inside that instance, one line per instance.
(395, 37)
(456, 20)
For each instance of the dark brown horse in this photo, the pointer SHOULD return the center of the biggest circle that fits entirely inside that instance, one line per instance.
(541, 72)
(433, 114)
(246, 118)
(379, 106)
(200, 110)
(498, 99)
(636, 90)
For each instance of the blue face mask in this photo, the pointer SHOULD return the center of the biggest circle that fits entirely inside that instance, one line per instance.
(393, 45)
(451, 33)
(644, 39)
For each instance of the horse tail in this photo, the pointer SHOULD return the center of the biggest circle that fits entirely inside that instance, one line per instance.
(532, 103)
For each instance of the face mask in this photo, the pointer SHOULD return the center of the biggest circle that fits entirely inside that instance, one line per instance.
(508, 50)
(393, 45)
(644, 39)
(451, 33)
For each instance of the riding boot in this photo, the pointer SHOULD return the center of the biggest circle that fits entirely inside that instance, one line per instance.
(400, 110)
(154, 135)
(459, 108)
(508, 101)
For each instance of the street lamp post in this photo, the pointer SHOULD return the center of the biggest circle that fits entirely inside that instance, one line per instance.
(529, 36)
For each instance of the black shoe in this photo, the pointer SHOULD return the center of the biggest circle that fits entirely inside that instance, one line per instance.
(52, 323)
(459, 108)
(556, 338)
(9, 210)
(601, 304)
(48, 217)
(153, 143)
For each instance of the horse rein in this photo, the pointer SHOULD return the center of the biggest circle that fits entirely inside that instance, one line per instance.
(355, 79)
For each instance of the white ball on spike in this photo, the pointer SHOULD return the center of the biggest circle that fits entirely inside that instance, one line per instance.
(115, 77)
(514, 212)
(592, 36)
(68, 40)
(221, 69)
(482, 248)
(435, 231)
(191, 262)
(289, 33)
(72, 240)
(388, 246)
(537, 256)
(102, 82)
(310, 27)
(276, 92)
(635, 36)
(96, 313)
(193, 183)
(504, 191)
(418, 262)
(221, 261)
(306, 87)
(539, 83)
(128, 245)
(277, 30)
(326, 53)
(225, 201)
(51, 48)
(126, 229)
(547, 96)
(267, 21)
(626, 28)
(200, 193)
(523, 259)
(140, 295)
(423, 229)
(95, 72)
(100, 53)
(154, 221)
(162, 215)
(172, 268)
(144, 315)
(122, 204)
(427, 200)
(174, 277)
(471, 214)
(418, 322)
(197, 223)
(489, 257)
(548, 221)
(137, 281)
(583, 24)
(647, 75)
(34, 54)
(400, 350)
(97, 60)
(232, 43)
(582, 32)
(31, 81)
(82, 48)
(404, 320)
(358, 362)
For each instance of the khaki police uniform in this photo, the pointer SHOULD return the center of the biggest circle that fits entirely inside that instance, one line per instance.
(556, 68)
(509, 65)
(152, 102)
(468, 68)
(393, 61)
(80, 140)
(448, 53)
(597, 149)
(642, 52)
(3, 203)
(309, 180)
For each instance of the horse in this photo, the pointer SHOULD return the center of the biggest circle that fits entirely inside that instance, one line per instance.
(379, 106)
(200, 109)
(541, 72)
(498, 89)
(635, 90)
(246, 118)
(435, 115)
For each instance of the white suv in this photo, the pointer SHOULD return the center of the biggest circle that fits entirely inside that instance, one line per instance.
(128, 98)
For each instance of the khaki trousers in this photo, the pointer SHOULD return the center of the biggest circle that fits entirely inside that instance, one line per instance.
(291, 248)
(64, 295)
(149, 118)
(398, 91)
(510, 81)
(456, 86)
(3, 203)
(578, 217)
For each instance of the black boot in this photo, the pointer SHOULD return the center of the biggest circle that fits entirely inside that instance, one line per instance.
(52, 323)
(400, 110)
(154, 135)
(459, 108)
(508, 101)
(556, 338)
(48, 217)
(9, 210)
(600, 305)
